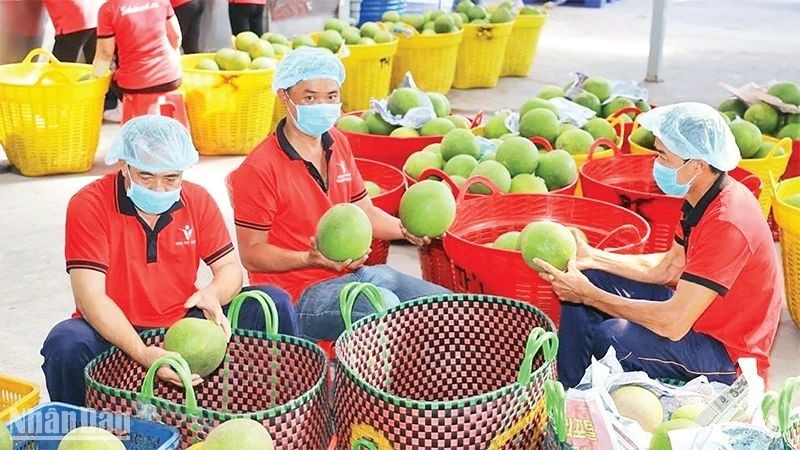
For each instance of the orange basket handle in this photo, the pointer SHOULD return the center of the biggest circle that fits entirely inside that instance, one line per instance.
(627, 109)
(620, 229)
(40, 52)
(477, 120)
(603, 141)
(439, 173)
(472, 181)
(538, 140)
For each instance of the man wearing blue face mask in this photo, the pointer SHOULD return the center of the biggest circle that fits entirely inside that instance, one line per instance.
(713, 298)
(134, 241)
(286, 185)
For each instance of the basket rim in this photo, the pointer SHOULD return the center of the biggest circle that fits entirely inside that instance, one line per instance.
(783, 210)
(208, 413)
(388, 168)
(443, 404)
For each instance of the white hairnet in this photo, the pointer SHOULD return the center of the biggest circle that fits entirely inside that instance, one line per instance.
(307, 63)
(694, 131)
(154, 144)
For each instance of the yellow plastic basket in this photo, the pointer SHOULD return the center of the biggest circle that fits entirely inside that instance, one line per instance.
(278, 114)
(480, 55)
(521, 48)
(49, 121)
(762, 167)
(788, 219)
(431, 59)
(229, 112)
(369, 74)
(16, 397)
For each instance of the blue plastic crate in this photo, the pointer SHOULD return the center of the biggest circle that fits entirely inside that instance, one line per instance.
(372, 10)
(43, 427)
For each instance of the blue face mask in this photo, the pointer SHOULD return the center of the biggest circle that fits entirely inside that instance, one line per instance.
(667, 179)
(151, 202)
(314, 120)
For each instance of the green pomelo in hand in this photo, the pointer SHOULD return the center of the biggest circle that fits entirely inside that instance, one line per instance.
(427, 209)
(201, 342)
(344, 233)
(549, 241)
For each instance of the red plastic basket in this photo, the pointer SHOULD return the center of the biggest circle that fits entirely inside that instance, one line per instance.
(793, 169)
(501, 272)
(393, 184)
(627, 181)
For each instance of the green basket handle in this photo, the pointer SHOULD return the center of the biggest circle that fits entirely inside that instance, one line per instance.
(349, 294)
(365, 443)
(40, 52)
(547, 341)
(182, 368)
(267, 306)
(783, 402)
(605, 142)
(556, 403)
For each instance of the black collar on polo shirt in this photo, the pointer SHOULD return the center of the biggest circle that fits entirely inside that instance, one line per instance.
(693, 214)
(291, 153)
(125, 206)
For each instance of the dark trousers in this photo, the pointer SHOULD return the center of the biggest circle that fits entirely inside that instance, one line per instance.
(585, 332)
(68, 46)
(246, 17)
(188, 16)
(73, 343)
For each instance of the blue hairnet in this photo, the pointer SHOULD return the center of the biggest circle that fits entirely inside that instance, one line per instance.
(694, 131)
(154, 144)
(307, 63)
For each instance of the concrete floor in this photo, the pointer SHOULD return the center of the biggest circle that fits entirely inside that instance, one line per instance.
(707, 41)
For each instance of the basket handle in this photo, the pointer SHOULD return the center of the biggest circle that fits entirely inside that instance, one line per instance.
(773, 185)
(349, 294)
(556, 403)
(538, 140)
(439, 173)
(618, 230)
(182, 368)
(267, 306)
(603, 141)
(783, 402)
(472, 181)
(40, 52)
(364, 443)
(62, 75)
(477, 120)
(785, 142)
(547, 341)
(625, 110)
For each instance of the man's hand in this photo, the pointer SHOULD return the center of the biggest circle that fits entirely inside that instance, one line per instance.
(416, 240)
(584, 259)
(149, 355)
(316, 259)
(571, 286)
(207, 300)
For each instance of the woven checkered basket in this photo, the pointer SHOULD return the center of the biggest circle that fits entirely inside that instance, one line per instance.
(445, 372)
(280, 381)
(787, 425)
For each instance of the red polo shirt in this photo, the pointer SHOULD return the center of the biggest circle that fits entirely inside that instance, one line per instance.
(178, 3)
(144, 56)
(70, 16)
(278, 192)
(248, 2)
(149, 273)
(730, 251)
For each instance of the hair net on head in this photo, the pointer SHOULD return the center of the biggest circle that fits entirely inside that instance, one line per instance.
(694, 131)
(153, 144)
(307, 63)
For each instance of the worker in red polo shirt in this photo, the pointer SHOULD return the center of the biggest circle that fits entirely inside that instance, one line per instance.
(290, 180)
(134, 242)
(713, 298)
(246, 15)
(146, 36)
(75, 23)
(189, 13)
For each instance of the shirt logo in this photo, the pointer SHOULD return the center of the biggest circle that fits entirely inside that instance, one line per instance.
(187, 231)
(344, 174)
(125, 10)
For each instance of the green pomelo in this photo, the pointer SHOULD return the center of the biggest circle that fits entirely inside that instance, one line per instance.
(660, 439)
(6, 442)
(576, 142)
(427, 209)
(223, 57)
(240, 61)
(440, 104)
(539, 122)
(600, 128)
(532, 11)
(642, 105)
(725, 117)
(617, 104)
(433, 148)
(461, 165)
(464, 6)
(383, 37)
(598, 86)
(458, 21)
(518, 155)
(550, 91)
(415, 20)
(444, 24)
(765, 148)
(748, 137)
(477, 12)
(458, 180)
(501, 15)
(239, 434)
(353, 124)
(537, 103)
(549, 241)
(419, 161)
(489, 156)
(403, 99)
(688, 412)
(207, 64)
(496, 126)
(280, 49)
(437, 127)
(376, 125)
(791, 131)
(643, 137)
(245, 39)
(526, 183)
(201, 342)
(764, 116)
(404, 132)
(564, 127)
(792, 118)
(366, 41)
(479, 22)
(557, 169)
(495, 172)
(639, 404)
(337, 25)
(261, 49)
(589, 100)
(369, 29)
(460, 142)
(89, 438)
(303, 41)
(733, 105)
(787, 91)
(263, 63)
(275, 38)
(331, 40)
(428, 32)
(507, 241)
(391, 16)
(351, 36)
(459, 121)
(344, 233)
(372, 188)
(508, 136)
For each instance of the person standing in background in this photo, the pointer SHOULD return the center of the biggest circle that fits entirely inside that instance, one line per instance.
(189, 13)
(246, 15)
(75, 23)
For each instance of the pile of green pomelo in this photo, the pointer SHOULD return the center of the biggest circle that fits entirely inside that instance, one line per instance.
(249, 53)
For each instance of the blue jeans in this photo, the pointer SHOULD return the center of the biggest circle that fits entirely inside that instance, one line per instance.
(585, 332)
(73, 343)
(318, 310)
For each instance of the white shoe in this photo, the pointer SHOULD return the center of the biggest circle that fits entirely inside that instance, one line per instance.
(113, 115)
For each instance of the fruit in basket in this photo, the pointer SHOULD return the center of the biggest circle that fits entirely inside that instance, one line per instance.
(496, 126)
(353, 124)
(351, 36)
(557, 169)
(507, 241)
(518, 155)
(429, 32)
(477, 12)
(427, 209)
(532, 11)
(617, 104)
(733, 105)
(90, 438)
(787, 91)
(576, 142)
(376, 124)
(564, 127)
(660, 439)
(404, 132)
(501, 15)
(303, 41)
(489, 156)
(444, 24)
(765, 148)
(461, 165)
(550, 91)
(526, 183)
(383, 37)
(793, 201)
(458, 21)
(372, 188)
(764, 116)
(239, 434)
(280, 49)
(206, 64)
(263, 63)
(496, 173)
(244, 40)
(335, 24)
(275, 38)
(223, 56)
(598, 86)
(201, 342)
(441, 105)
(419, 161)
(548, 241)
(366, 41)
(415, 20)
(434, 148)
(642, 105)
(589, 100)
(643, 137)
(6, 442)
(537, 103)
(391, 16)
(748, 137)
(539, 122)
(369, 29)
(261, 48)
(437, 127)
(600, 128)
(791, 131)
(464, 6)
(344, 232)
(331, 40)
(460, 142)
(404, 99)
(639, 404)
